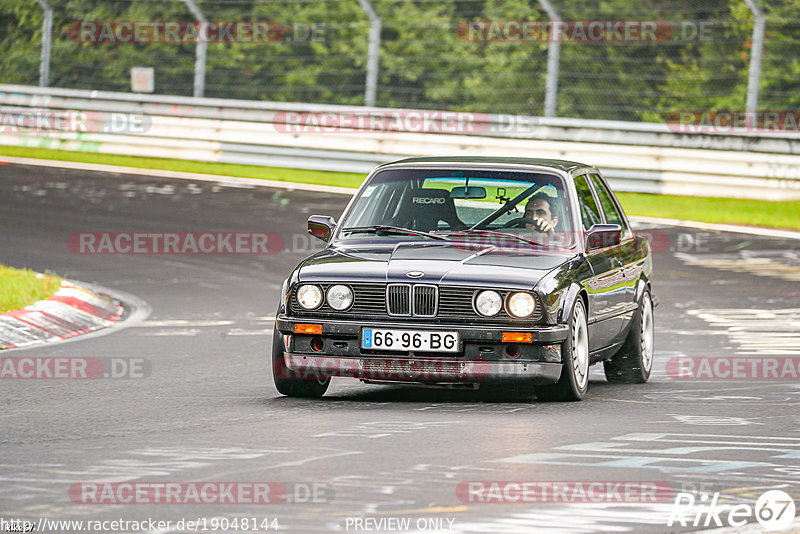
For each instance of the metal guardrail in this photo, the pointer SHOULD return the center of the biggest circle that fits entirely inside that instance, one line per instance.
(643, 157)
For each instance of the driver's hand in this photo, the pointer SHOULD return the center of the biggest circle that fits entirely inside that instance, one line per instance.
(542, 225)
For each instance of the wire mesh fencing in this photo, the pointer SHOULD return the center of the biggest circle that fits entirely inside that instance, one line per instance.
(618, 60)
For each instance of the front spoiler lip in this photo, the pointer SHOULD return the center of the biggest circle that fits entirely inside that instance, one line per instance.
(419, 370)
(542, 334)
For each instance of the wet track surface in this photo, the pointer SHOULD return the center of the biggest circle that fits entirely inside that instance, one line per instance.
(208, 410)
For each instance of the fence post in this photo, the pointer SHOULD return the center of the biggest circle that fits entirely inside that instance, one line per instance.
(553, 59)
(47, 39)
(373, 52)
(754, 76)
(200, 49)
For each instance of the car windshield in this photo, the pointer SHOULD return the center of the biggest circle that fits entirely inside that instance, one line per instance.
(521, 208)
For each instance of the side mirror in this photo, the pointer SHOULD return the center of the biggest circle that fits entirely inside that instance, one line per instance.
(321, 226)
(603, 235)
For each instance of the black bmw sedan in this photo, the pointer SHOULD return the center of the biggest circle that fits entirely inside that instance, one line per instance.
(458, 272)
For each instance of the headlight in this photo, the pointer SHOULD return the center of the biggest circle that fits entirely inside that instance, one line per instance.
(309, 297)
(521, 304)
(340, 297)
(488, 303)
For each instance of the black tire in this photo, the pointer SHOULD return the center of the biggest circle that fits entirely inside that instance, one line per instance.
(285, 383)
(633, 362)
(574, 380)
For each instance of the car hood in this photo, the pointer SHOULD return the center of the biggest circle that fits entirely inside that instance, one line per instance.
(439, 263)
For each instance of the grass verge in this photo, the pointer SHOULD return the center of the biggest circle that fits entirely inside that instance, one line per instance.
(22, 287)
(341, 179)
(703, 209)
(714, 210)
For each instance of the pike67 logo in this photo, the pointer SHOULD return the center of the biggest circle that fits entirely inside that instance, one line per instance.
(774, 510)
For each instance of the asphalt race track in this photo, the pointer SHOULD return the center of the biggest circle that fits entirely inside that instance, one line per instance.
(207, 409)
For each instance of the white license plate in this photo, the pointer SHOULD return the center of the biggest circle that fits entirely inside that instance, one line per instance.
(409, 340)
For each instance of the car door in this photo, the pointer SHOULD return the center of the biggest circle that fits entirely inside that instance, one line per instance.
(606, 288)
(626, 252)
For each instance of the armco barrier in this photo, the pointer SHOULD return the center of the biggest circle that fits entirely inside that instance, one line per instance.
(644, 157)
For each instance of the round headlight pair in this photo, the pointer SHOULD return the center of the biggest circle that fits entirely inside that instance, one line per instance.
(519, 304)
(339, 298)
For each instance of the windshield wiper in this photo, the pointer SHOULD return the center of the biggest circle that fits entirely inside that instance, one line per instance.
(396, 230)
(481, 231)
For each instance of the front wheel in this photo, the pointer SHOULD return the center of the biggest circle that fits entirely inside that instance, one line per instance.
(634, 360)
(289, 382)
(574, 380)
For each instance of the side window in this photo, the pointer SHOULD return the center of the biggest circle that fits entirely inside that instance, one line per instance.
(590, 215)
(612, 214)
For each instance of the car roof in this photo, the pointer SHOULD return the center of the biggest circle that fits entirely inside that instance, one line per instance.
(558, 164)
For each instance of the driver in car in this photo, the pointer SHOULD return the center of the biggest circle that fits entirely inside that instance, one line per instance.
(540, 210)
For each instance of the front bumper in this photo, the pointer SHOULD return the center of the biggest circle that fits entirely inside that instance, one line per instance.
(554, 334)
(420, 370)
(482, 356)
